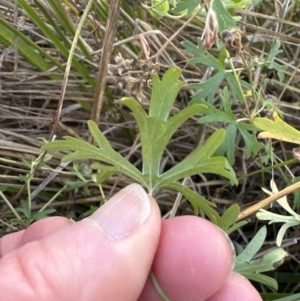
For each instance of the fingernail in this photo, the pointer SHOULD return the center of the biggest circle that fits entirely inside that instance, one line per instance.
(123, 213)
(233, 253)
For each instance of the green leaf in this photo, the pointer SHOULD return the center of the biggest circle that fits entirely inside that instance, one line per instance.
(283, 230)
(104, 172)
(158, 9)
(190, 5)
(213, 114)
(197, 202)
(201, 161)
(164, 93)
(229, 217)
(228, 146)
(74, 185)
(208, 88)
(252, 145)
(266, 280)
(43, 214)
(202, 56)
(277, 129)
(25, 209)
(105, 153)
(192, 48)
(294, 297)
(270, 62)
(252, 268)
(89, 212)
(234, 87)
(275, 50)
(82, 170)
(253, 247)
(236, 226)
(226, 103)
(225, 20)
(266, 263)
(155, 130)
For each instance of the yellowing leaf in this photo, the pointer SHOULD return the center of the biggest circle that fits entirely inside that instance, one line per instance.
(277, 129)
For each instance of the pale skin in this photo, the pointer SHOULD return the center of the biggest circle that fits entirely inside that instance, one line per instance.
(109, 256)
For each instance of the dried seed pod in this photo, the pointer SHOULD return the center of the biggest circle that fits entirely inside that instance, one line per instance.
(121, 67)
(232, 40)
(144, 46)
(211, 29)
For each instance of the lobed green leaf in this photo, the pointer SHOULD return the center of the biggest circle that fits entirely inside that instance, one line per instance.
(201, 161)
(252, 268)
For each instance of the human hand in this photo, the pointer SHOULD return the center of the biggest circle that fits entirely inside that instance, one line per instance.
(108, 257)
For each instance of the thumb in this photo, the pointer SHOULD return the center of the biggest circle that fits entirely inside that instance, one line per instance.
(105, 257)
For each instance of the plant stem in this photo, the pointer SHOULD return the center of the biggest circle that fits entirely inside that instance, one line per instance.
(253, 173)
(268, 200)
(9, 205)
(239, 86)
(29, 193)
(249, 78)
(53, 198)
(102, 194)
(158, 288)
